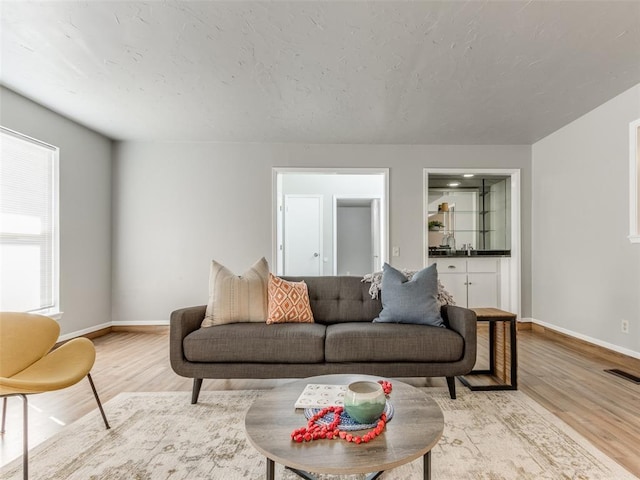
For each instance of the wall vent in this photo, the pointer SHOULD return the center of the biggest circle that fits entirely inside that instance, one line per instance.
(626, 375)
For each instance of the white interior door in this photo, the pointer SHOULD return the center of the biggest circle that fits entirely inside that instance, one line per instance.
(303, 235)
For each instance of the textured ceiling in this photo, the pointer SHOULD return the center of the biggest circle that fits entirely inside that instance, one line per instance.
(393, 72)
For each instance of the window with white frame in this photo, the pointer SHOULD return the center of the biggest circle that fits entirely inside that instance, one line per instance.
(634, 183)
(28, 224)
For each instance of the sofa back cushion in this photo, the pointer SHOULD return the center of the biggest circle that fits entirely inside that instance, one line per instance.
(340, 299)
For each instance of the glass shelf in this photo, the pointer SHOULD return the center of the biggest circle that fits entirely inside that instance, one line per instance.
(461, 231)
(456, 212)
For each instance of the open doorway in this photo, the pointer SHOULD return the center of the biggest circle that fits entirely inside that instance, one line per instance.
(357, 235)
(360, 190)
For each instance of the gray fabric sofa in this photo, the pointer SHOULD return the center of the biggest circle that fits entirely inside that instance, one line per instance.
(343, 339)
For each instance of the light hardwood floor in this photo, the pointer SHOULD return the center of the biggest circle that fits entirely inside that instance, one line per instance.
(571, 384)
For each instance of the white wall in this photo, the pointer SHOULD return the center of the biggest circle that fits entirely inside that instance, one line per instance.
(85, 208)
(178, 205)
(586, 274)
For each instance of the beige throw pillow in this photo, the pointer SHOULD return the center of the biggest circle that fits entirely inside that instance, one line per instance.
(235, 299)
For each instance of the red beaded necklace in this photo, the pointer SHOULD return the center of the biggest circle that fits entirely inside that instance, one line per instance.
(313, 431)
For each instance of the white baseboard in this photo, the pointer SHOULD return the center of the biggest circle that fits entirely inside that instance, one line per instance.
(609, 346)
(137, 323)
(95, 328)
(84, 331)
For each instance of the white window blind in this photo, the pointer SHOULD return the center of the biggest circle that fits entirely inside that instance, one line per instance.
(28, 224)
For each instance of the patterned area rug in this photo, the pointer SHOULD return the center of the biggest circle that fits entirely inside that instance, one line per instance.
(160, 436)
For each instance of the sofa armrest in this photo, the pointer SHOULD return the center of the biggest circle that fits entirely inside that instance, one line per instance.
(463, 321)
(183, 322)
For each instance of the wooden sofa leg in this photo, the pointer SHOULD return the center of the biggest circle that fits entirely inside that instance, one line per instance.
(451, 383)
(197, 383)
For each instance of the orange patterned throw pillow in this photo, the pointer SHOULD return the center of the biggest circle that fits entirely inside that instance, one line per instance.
(288, 302)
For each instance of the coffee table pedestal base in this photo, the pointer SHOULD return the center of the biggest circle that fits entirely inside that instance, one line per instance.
(308, 476)
(371, 476)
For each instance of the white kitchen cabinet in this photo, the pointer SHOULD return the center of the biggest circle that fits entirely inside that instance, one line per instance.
(456, 285)
(473, 282)
(482, 290)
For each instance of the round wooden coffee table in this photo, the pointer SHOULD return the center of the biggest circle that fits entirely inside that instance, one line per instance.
(413, 431)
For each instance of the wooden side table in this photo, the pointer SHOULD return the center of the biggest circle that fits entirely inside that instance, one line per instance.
(503, 363)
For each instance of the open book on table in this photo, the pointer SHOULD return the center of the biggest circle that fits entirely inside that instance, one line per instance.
(317, 395)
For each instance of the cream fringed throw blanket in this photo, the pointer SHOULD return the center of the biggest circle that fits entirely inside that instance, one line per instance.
(444, 297)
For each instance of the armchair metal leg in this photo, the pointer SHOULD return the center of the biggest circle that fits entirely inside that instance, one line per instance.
(25, 430)
(25, 435)
(95, 394)
(4, 414)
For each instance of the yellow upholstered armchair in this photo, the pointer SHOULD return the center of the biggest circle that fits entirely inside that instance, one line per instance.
(28, 365)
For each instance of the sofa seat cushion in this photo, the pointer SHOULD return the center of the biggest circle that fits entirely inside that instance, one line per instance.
(385, 342)
(257, 343)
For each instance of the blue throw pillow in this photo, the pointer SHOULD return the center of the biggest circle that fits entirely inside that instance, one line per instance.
(410, 301)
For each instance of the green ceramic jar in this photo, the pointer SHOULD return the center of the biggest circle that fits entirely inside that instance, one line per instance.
(364, 401)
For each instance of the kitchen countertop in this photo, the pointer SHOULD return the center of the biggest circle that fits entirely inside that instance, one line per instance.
(464, 253)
